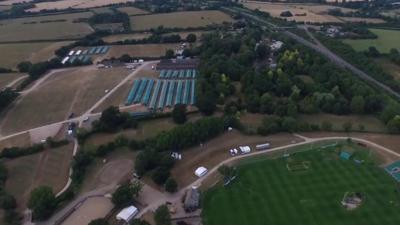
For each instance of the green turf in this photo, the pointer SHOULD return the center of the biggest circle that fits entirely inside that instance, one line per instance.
(267, 193)
(386, 40)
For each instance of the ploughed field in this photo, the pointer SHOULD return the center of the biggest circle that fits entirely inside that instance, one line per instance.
(266, 192)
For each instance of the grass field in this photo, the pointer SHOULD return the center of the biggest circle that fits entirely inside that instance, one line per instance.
(386, 40)
(144, 50)
(74, 90)
(10, 2)
(122, 37)
(389, 67)
(131, 11)
(34, 52)
(6, 78)
(49, 168)
(361, 20)
(314, 12)
(22, 140)
(77, 4)
(63, 26)
(179, 19)
(266, 192)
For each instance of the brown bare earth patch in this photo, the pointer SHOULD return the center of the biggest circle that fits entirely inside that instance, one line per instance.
(217, 150)
(131, 11)
(112, 169)
(50, 168)
(77, 4)
(93, 208)
(6, 78)
(74, 90)
(21, 140)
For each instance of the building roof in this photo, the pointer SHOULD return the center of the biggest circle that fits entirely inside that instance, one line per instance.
(127, 213)
(192, 199)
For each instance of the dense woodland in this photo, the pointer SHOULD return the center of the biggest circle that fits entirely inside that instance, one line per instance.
(303, 81)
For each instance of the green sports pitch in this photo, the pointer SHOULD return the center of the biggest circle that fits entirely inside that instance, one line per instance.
(268, 193)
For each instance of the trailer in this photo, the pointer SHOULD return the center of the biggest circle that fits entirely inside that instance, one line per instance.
(263, 146)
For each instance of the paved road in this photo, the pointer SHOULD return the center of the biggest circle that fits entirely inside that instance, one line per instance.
(318, 47)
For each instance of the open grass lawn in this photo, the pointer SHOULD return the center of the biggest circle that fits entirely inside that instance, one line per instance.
(390, 67)
(266, 192)
(179, 19)
(7, 78)
(63, 26)
(74, 90)
(49, 168)
(386, 40)
(34, 52)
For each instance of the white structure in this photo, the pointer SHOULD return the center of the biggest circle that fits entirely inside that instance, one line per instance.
(263, 146)
(201, 171)
(127, 213)
(78, 52)
(71, 53)
(65, 60)
(276, 45)
(245, 149)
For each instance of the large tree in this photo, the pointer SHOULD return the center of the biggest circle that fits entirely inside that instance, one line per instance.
(42, 202)
(162, 216)
(179, 114)
(125, 194)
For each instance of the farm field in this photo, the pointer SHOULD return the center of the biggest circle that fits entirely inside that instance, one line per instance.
(6, 78)
(123, 37)
(62, 26)
(131, 11)
(33, 52)
(10, 2)
(311, 195)
(386, 40)
(144, 50)
(179, 19)
(77, 4)
(4, 7)
(73, 90)
(314, 12)
(389, 67)
(50, 168)
(21, 140)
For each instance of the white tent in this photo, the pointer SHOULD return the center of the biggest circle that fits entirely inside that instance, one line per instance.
(244, 149)
(201, 171)
(127, 213)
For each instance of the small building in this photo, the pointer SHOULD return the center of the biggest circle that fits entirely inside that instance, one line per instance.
(192, 200)
(201, 171)
(345, 155)
(127, 214)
